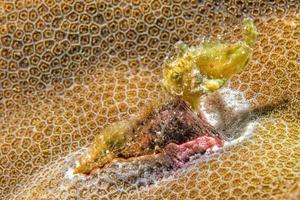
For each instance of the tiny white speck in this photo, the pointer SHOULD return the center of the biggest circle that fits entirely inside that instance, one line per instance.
(77, 163)
(70, 173)
(215, 148)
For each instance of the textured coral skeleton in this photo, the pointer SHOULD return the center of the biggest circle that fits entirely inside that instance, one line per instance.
(69, 68)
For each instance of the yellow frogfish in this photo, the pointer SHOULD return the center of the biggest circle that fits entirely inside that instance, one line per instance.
(205, 68)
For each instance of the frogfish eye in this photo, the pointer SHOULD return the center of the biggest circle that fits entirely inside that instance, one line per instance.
(176, 76)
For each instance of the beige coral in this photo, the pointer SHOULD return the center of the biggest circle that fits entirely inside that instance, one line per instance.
(56, 95)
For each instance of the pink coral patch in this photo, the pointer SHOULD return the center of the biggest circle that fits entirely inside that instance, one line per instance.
(180, 154)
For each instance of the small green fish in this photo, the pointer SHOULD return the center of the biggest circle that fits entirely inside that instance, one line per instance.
(205, 68)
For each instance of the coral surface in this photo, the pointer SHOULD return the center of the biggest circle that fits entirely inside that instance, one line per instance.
(68, 68)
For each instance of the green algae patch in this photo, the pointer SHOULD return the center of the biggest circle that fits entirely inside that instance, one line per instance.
(205, 68)
(105, 147)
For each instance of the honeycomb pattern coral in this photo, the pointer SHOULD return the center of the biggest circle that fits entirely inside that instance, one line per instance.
(69, 67)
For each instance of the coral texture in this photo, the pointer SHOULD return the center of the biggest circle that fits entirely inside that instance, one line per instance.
(68, 68)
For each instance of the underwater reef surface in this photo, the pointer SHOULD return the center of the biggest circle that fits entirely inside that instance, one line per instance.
(70, 68)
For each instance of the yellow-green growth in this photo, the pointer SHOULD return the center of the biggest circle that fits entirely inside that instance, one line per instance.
(205, 68)
(250, 32)
(105, 147)
(112, 141)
